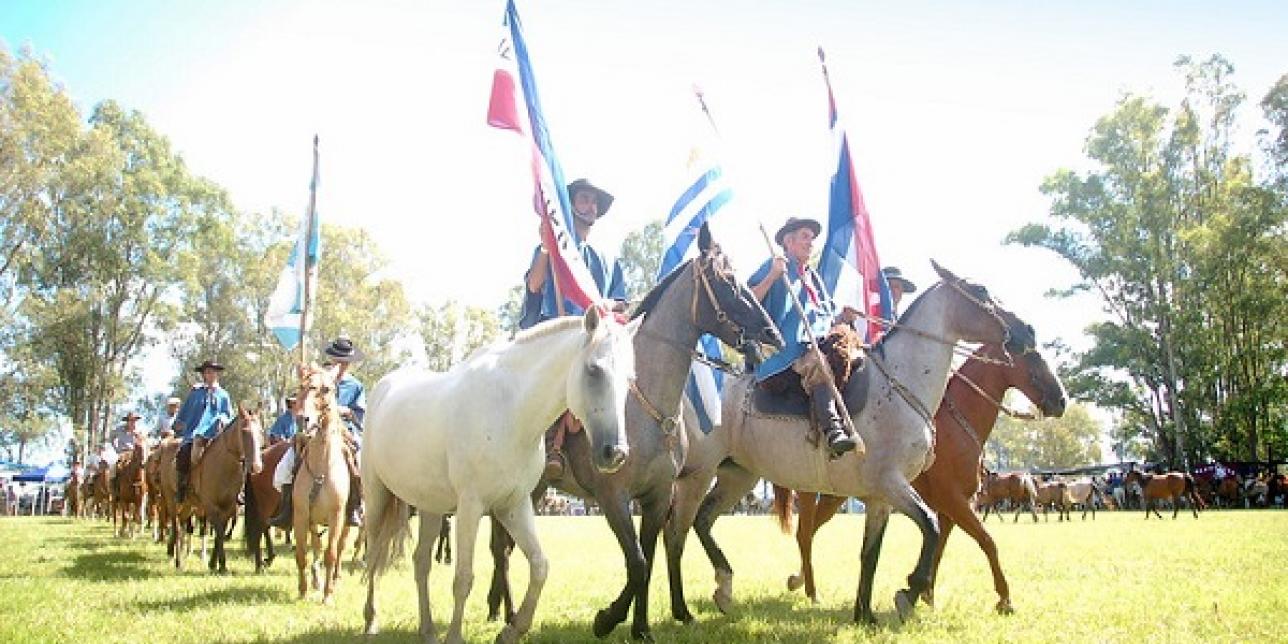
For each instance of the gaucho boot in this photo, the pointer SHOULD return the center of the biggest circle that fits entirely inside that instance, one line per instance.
(183, 464)
(285, 516)
(353, 509)
(829, 421)
(554, 469)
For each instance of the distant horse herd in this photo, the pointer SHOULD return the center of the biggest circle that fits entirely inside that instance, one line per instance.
(467, 443)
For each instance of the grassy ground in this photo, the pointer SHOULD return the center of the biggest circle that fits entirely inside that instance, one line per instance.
(1120, 578)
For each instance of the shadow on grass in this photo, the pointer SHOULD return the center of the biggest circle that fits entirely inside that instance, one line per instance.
(241, 596)
(108, 566)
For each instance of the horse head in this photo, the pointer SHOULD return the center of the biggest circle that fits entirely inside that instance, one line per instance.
(1029, 371)
(598, 385)
(973, 313)
(251, 438)
(732, 312)
(316, 399)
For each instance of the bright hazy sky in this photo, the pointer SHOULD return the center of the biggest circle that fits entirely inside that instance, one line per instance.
(956, 111)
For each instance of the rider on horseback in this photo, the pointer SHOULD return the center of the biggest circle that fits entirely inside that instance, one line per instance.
(351, 396)
(540, 303)
(207, 409)
(796, 366)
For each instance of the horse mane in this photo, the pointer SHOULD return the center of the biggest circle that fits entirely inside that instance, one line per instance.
(907, 313)
(550, 327)
(655, 294)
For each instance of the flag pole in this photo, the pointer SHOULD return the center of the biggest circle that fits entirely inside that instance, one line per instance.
(307, 259)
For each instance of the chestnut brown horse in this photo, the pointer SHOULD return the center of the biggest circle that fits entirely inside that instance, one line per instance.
(963, 422)
(1016, 488)
(261, 503)
(131, 489)
(155, 504)
(221, 472)
(1054, 494)
(72, 492)
(1173, 486)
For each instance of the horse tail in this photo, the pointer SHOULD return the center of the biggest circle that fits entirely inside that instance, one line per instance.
(387, 531)
(783, 508)
(1030, 488)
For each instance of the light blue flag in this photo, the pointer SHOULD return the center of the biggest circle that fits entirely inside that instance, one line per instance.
(707, 192)
(286, 307)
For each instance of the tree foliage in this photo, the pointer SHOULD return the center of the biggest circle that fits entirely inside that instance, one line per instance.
(1185, 246)
(1048, 444)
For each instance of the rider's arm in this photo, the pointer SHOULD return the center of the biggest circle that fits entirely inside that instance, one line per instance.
(776, 267)
(539, 271)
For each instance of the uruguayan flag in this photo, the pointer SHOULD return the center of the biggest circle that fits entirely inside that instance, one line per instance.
(705, 195)
(286, 306)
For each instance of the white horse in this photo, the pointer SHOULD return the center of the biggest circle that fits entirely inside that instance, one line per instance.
(1087, 491)
(468, 442)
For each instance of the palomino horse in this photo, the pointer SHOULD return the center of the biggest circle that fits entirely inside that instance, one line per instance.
(1172, 485)
(131, 490)
(1054, 494)
(700, 296)
(321, 502)
(963, 422)
(468, 442)
(218, 476)
(1016, 488)
(261, 502)
(891, 403)
(1087, 492)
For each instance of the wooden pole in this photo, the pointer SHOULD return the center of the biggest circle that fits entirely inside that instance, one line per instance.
(309, 266)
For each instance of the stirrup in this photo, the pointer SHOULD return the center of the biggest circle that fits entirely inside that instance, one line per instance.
(839, 442)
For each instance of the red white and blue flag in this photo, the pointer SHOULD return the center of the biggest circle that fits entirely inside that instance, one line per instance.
(549, 190)
(849, 265)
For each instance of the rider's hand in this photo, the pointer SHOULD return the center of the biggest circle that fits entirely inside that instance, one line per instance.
(848, 315)
(777, 266)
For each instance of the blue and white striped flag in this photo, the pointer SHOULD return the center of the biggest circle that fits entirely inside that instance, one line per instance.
(286, 307)
(707, 192)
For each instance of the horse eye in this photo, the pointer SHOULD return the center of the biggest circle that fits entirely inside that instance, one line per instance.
(594, 370)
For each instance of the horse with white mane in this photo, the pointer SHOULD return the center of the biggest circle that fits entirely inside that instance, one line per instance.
(468, 442)
(891, 403)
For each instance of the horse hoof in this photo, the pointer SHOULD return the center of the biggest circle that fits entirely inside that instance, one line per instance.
(644, 635)
(604, 623)
(1004, 607)
(508, 635)
(723, 595)
(686, 618)
(904, 604)
(794, 582)
(329, 600)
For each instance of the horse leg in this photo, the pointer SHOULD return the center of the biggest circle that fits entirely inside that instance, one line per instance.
(653, 509)
(213, 564)
(302, 532)
(807, 504)
(733, 482)
(500, 545)
(906, 500)
(519, 520)
(945, 528)
(824, 510)
(875, 519)
(689, 491)
(468, 514)
(981, 536)
(423, 561)
(617, 510)
(336, 533)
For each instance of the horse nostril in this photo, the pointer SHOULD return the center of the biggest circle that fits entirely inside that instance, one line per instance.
(614, 455)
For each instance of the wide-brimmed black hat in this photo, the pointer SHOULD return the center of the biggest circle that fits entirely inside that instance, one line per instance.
(893, 274)
(209, 364)
(796, 223)
(342, 350)
(130, 415)
(602, 198)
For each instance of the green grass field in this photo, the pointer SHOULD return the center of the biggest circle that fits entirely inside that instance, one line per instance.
(1120, 578)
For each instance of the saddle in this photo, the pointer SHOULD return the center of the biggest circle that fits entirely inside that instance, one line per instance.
(783, 394)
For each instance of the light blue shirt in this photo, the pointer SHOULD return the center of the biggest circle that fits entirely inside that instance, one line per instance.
(284, 426)
(204, 411)
(350, 393)
(796, 333)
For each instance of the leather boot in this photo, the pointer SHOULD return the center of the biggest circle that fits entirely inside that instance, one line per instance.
(829, 421)
(353, 509)
(554, 469)
(285, 513)
(183, 464)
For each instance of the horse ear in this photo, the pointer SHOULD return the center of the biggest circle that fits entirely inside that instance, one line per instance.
(704, 238)
(591, 320)
(633, 326)
(944, 274)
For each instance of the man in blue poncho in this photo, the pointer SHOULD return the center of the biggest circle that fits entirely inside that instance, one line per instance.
(540, 303)
(795, 366)
(204, 413)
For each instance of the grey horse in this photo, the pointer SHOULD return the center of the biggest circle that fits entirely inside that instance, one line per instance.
(701, 296)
